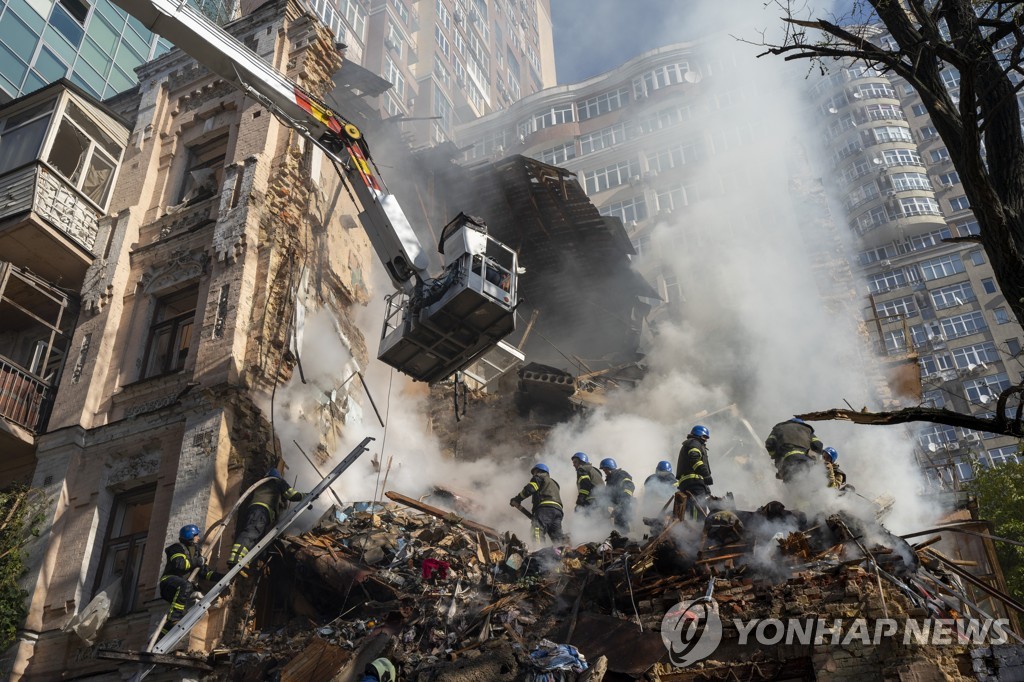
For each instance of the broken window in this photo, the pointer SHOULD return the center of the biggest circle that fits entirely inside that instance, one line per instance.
(84, 155)
(125, 543)
(170, 335)
(204, 170)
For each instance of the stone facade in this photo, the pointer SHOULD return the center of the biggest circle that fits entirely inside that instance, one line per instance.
(141, 440)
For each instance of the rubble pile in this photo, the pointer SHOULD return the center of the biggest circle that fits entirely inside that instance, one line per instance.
(446, 598)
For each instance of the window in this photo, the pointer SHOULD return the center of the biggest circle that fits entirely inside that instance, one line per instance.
(84, 155)
(884, 112)
(892, 309)
(959, 203)
(950, 77)
(989, 285)
(392, 73)
(79, 9)
(919, 206)
(610, 176)
(442, 41)
(204, 171)
(933, 364)
(170, 334)
(559, 154)
(664, 118)
(886, 281)
(901, 157)
(1004, 455)
(1001, 316)
(127, 531)
(21, 136)
(395, 41)
(919, 242)
(442, 109)
(631, 210)
(892, 134)
(939, 155)
(676, 156)
(986, 389)
(951, 178)
(975, 355)
(560, 113)
(953, 295)
(672, 199)
(928, 132)
(661, 77)
(937, 434)
(976, 258)
(963, 325)
(874, 91)
(874, 255)
(966, 228)
(943, 266)
(919, 110)
(443, 15)
(905, 181)
(895, 342)
(601, 139)
(442, 73)
(1013, 347)
(933, 399)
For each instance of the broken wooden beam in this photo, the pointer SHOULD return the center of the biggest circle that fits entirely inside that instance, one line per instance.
(442, 514)
(148, 657)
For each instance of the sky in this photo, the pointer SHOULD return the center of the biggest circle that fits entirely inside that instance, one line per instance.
(594, 36)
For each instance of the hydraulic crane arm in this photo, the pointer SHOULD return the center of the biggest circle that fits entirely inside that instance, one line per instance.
(392, 236)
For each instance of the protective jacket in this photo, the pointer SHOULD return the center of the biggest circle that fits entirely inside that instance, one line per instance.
(544, 491)
(588, 479)
(791, 438)
(620, 486)
(181, 559)
(693, 468)
(274, 496)
(836, 476)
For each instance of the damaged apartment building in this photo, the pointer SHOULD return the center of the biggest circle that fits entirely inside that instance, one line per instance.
(155, 247)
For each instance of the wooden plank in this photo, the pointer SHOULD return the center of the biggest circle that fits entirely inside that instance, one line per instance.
(442, 514)
(176, 661)
(320, 660)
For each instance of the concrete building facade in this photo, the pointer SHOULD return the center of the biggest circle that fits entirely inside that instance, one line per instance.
(187, 260)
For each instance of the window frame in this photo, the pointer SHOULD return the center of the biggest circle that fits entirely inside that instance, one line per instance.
(131, 600)
(174, 361)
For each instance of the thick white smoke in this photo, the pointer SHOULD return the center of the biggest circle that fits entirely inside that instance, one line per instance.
(755, 331)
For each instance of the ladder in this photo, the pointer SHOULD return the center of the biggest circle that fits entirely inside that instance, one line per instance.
(196, 613)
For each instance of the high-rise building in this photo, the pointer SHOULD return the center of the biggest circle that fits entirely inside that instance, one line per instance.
(926, 296)
(90, 42)
(449, 61)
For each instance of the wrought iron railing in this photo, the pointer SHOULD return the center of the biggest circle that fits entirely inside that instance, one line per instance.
(24, 399)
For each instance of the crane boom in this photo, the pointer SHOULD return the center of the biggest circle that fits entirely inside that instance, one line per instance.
(434, 326)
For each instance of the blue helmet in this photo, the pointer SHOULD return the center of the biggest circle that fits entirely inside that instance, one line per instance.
(608, 463)
(798, 420)
(832, 455)
(664, 466)
(189, 533)
(541, 467)
(582, 456)
(700, 431)
(273, 473)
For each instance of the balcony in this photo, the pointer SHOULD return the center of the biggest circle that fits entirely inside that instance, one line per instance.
(59, 157)
(36, 321)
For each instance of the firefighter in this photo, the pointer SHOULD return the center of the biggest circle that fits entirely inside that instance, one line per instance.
(794, 447)
(694, 470)
(175, 587)
(267, 501)
(588, 481)
(380, 670)
(658, 487)
(547, 512)
(836, 476)
(620, 493)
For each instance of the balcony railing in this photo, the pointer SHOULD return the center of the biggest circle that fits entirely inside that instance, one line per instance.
(40, 189)
(24, 399)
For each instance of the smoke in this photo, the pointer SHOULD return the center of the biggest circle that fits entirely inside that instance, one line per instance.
(755, 341)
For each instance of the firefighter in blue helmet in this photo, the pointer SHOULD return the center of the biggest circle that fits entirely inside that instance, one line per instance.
(547, 504)
(380, 670)
(265, 504)
(793, 447)
(836, 476)
(620, 493)
(183, 557)
(694, 470)
(588, 482)
(662, 475)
